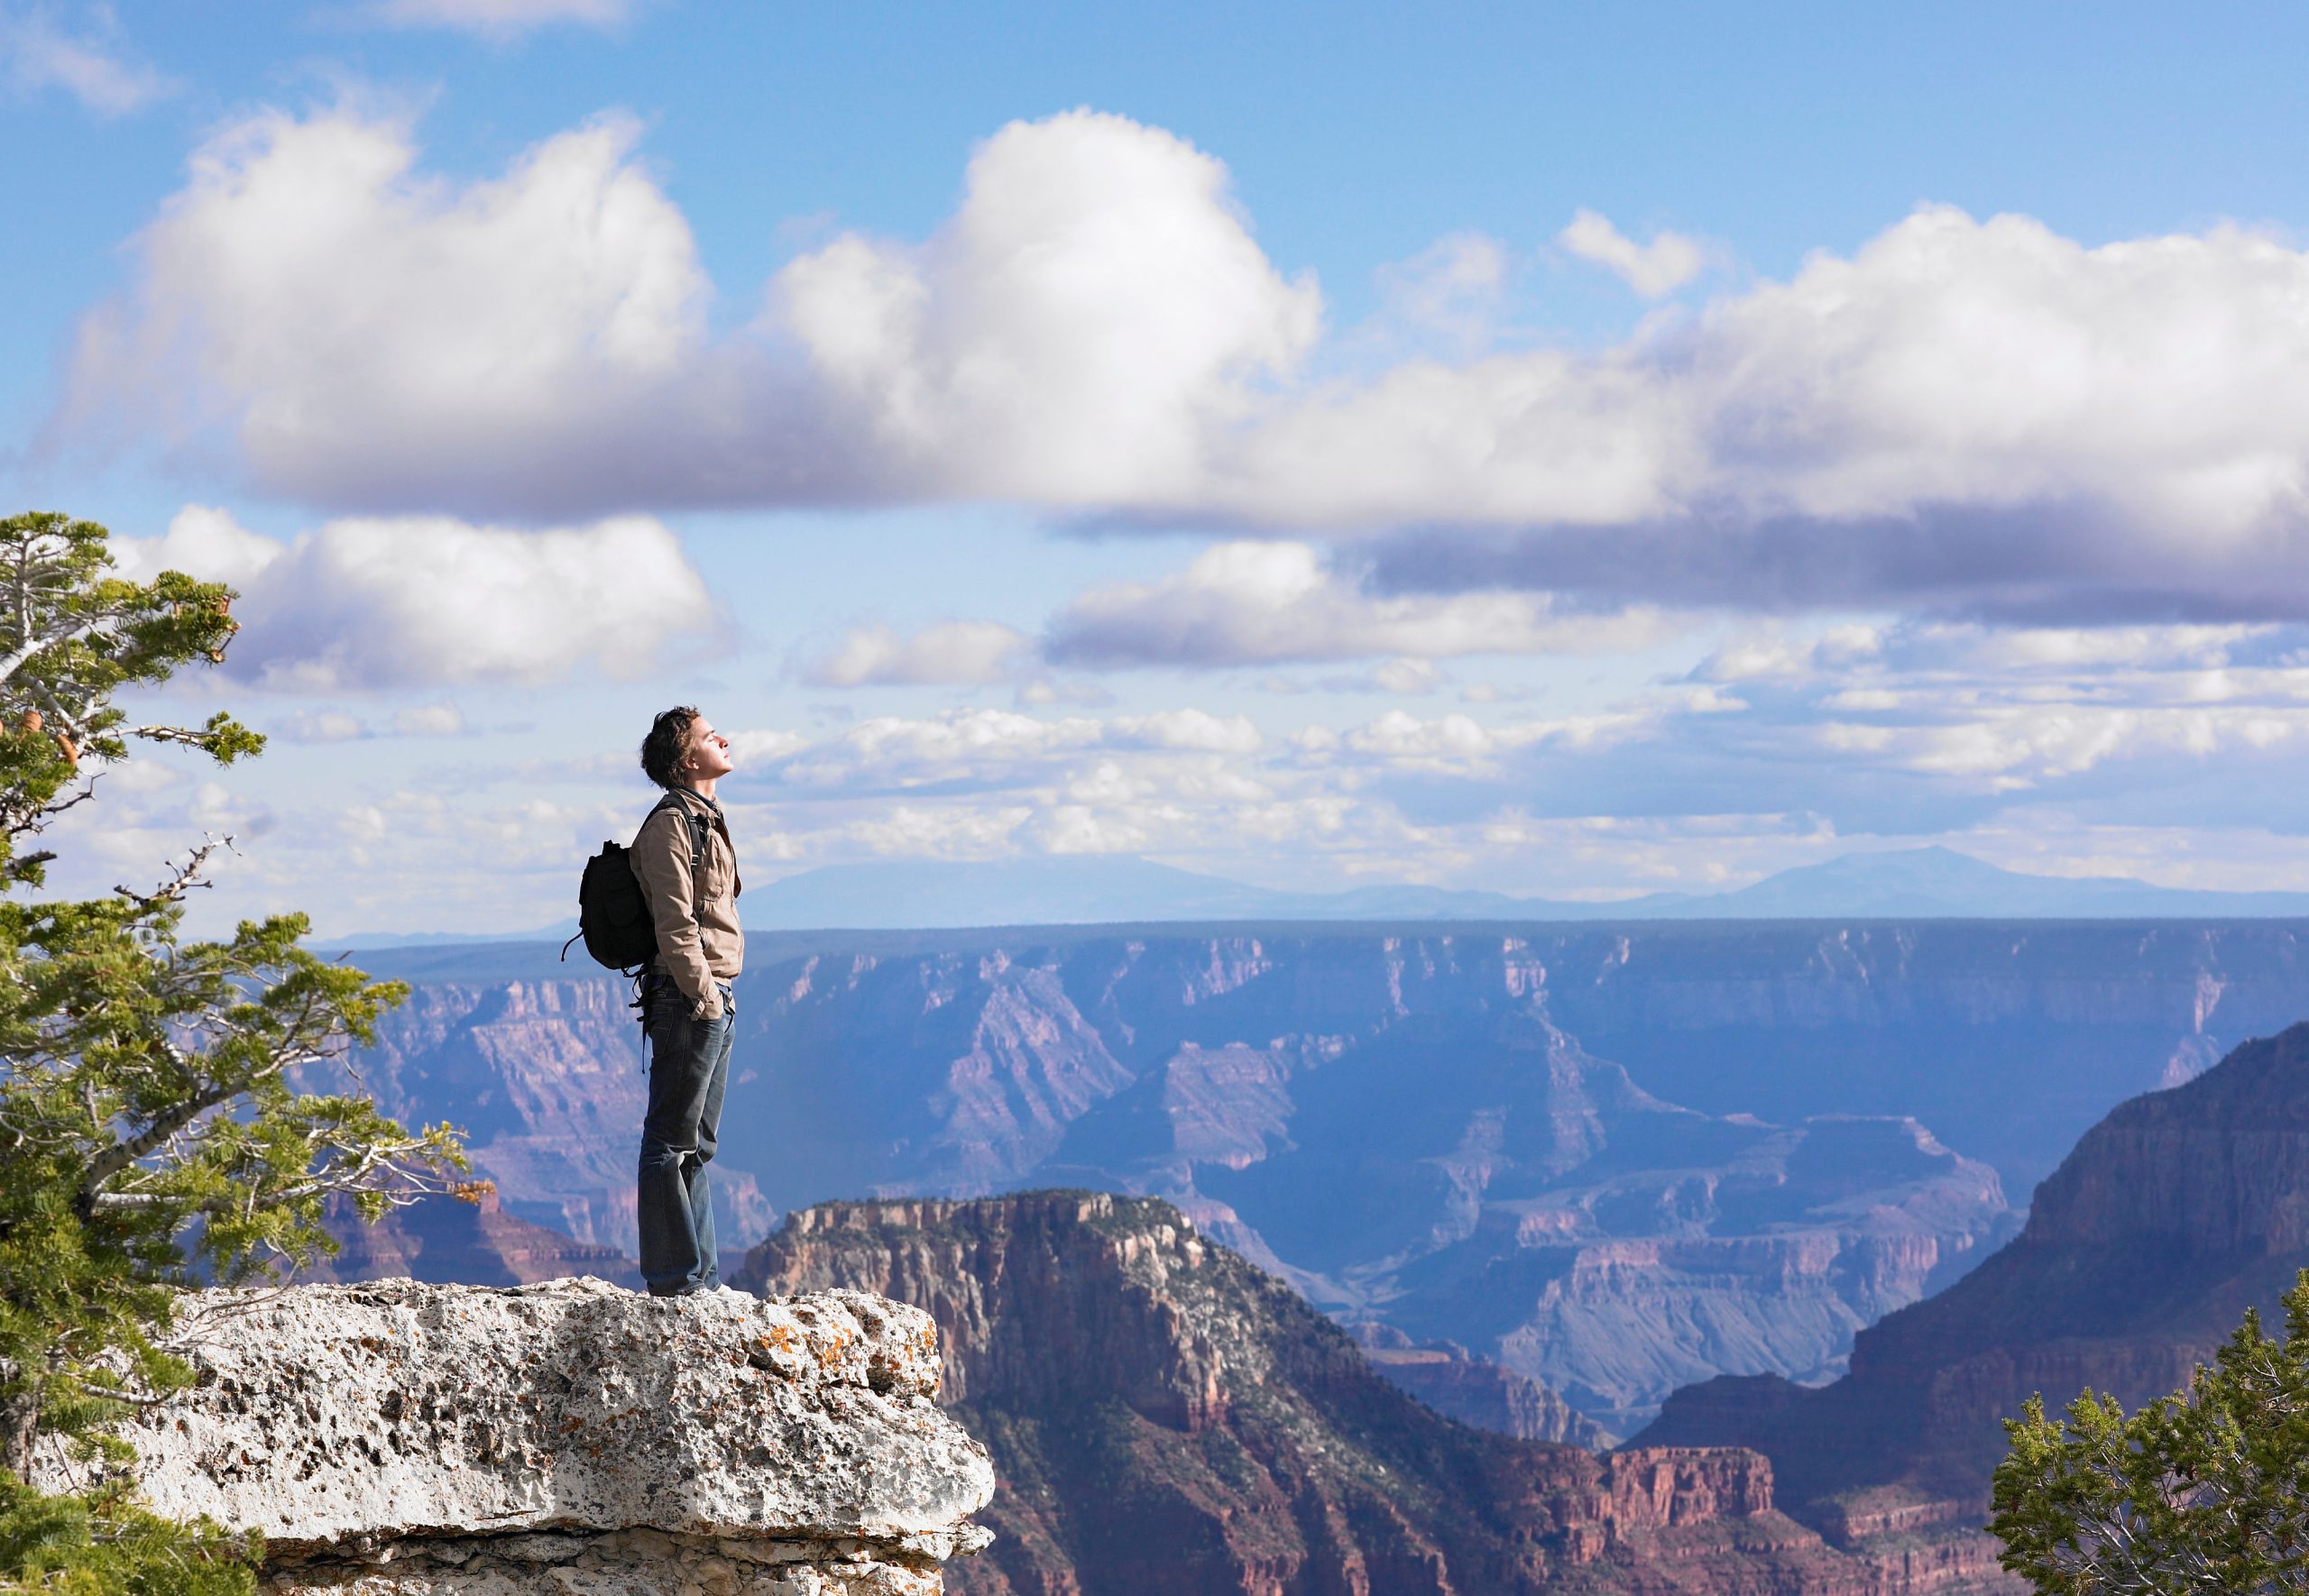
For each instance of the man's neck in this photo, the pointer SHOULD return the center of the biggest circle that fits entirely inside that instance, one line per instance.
(703, 789)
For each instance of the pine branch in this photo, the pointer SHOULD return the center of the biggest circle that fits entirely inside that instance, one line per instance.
(17, 658)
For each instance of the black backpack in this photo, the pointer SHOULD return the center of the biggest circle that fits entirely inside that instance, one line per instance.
(612, 914)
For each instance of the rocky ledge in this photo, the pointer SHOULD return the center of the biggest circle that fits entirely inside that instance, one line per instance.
(571, 1437)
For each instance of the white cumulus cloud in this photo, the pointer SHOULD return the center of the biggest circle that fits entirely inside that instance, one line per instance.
(1451, 287)
(380, 602)
(1190, 729)
(321, 726)
(1460, 745)
(2012, 746)
(354, 325)
(336, 726)
(434, 719)
(1094, 310)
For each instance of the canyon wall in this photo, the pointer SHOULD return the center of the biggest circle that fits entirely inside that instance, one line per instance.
(2176, 1212)
(1615, 1160)
(569, 1439)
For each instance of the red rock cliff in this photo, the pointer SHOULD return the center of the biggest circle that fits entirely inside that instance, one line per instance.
(1166, 1419)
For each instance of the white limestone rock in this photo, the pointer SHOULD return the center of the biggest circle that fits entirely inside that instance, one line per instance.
(434, 1438)
(626, 1564)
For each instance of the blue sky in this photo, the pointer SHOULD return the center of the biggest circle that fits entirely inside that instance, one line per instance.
(1569, 450)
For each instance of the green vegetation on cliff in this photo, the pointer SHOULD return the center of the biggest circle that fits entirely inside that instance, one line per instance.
(149, 1131)
(2205, 1489)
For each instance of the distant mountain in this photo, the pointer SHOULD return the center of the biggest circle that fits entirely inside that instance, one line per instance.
(1939, 882)
(1096, 889)
(1079, 889)
(1924, 882)
(1085, 889)
(362, 941)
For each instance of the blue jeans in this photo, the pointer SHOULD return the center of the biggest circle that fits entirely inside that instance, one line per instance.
(689, 1067)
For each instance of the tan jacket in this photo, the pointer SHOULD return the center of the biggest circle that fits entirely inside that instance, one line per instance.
(698, 938)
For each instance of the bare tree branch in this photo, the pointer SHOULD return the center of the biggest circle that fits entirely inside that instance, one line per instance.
(183, 879)
(37, 818)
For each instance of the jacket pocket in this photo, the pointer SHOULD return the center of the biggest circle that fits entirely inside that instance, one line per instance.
(720, 870)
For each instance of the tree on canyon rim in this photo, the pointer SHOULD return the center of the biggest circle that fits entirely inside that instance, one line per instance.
(150, 1131)
(2206, 1490)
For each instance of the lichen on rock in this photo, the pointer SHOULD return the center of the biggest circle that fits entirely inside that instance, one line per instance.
(398, 1437)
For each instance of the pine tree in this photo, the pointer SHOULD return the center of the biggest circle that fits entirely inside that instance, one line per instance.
(2206, 1490)
(152, 1131)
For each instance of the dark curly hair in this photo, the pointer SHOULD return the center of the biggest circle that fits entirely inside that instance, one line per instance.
(668, 741)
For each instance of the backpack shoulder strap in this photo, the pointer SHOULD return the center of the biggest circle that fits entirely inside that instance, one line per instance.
(700, 827)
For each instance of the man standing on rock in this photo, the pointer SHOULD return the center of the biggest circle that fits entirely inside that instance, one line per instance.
(688, 870)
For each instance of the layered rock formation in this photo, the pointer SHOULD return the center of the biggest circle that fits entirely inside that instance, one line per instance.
(2008, 1038)
(1476, 1391)
(399, 1439)
(1165, 1417)
(1409, 1127)
(1544, 1209)
(2172, 1216)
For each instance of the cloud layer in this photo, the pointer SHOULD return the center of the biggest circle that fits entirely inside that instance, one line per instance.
(1243, 603)
(2171, 752)
(1962, 415)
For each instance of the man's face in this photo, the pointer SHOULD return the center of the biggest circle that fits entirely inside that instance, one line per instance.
(708, 752)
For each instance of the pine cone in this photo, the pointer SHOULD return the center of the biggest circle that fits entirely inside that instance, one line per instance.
(225, 614)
